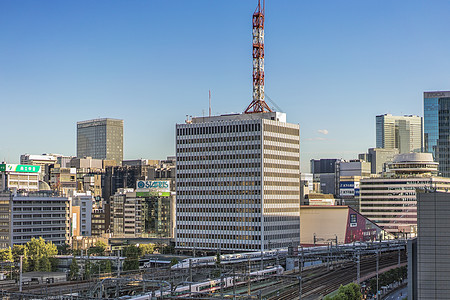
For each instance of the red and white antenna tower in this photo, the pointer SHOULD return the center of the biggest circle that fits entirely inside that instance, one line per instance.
(258, 104)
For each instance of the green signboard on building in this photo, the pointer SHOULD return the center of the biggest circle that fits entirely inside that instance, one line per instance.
(19, 168)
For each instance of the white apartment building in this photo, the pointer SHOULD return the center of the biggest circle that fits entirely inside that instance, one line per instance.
(238, 182)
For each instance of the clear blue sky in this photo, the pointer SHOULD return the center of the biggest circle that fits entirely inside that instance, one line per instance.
(330, 65)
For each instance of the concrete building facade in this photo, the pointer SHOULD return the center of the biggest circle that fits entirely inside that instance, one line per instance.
(24, 215)
(433, 245)
(238, 182)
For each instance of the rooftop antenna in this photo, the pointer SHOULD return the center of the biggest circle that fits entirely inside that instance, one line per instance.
(258, 105)
(210, 103)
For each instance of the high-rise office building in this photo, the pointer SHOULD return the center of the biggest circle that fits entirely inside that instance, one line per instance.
(401, 132)
(100, 139)
(436, 107)
(238, 182)
(433, 265)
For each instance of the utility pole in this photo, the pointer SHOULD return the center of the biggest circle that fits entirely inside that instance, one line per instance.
(358, 266)
(299, 287)
(190, 276)
(20, 275)
(234, 284)
(398, 245)
(248, 281)
(377, 271)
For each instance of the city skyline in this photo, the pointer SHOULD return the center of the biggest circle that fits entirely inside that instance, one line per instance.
(152, 63)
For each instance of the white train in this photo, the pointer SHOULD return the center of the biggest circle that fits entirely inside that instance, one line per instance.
(216, 284)
(229, 258)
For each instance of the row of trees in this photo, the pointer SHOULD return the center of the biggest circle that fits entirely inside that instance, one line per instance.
(38, 255)
(350, 291)
(391, 276)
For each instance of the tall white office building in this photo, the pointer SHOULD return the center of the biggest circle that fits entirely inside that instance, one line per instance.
(404, 133)
(238, 182)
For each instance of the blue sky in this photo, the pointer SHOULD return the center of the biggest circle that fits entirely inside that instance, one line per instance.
(332, 66)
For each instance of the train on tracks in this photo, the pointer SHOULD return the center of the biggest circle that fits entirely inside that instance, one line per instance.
(211, 286)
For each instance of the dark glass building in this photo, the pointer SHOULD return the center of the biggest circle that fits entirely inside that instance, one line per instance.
(436, 128)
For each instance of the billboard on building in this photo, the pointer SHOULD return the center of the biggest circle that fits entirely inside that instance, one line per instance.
(349, 188)
(148, 187)
(19, 168)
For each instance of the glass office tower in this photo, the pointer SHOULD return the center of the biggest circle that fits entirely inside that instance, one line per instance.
(100, 139)
(436, 128)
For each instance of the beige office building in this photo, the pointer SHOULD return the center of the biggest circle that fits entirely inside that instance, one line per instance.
(238, 182)
(402, 132)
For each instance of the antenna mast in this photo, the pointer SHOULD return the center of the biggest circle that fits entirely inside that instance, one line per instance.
(210, 103)
(258, 105)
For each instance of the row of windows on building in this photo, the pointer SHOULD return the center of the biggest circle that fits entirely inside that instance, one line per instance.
(39, 203)
(29, 223)
(217, 193)
(44, 236)
(281, 129)
(218, 174)
(224, 246)
(215, 129)
(210, 228)
(219, 149)
(228, 210)
(218, 219)
(221, 157)
(219, 183)
(218, 236)
(219, 166)
(40, 216)
(38, 208)
(40, 229)
(209, 201)
(222, 139)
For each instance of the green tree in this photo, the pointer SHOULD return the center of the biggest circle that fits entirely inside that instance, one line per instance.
(87, 270)
(98, 249)
(64, 249)
(44, 264)
(74, 270)
(173, 262)
(147, 248)
(6, 254)
(350, 291)
(19, 250)
(132, 254)
(37, 249)
(107, 266)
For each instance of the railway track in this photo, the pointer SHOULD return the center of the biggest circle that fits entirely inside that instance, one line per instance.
(330, 281)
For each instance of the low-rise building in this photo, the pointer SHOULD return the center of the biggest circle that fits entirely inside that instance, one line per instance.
(19, 177)
(25, 215)
(322, 225)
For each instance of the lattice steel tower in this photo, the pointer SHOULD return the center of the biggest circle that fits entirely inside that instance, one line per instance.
(258, 104)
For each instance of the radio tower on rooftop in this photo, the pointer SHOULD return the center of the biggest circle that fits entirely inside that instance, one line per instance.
(258, 104)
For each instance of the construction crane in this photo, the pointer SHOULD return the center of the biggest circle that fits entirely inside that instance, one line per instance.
(258, 105)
